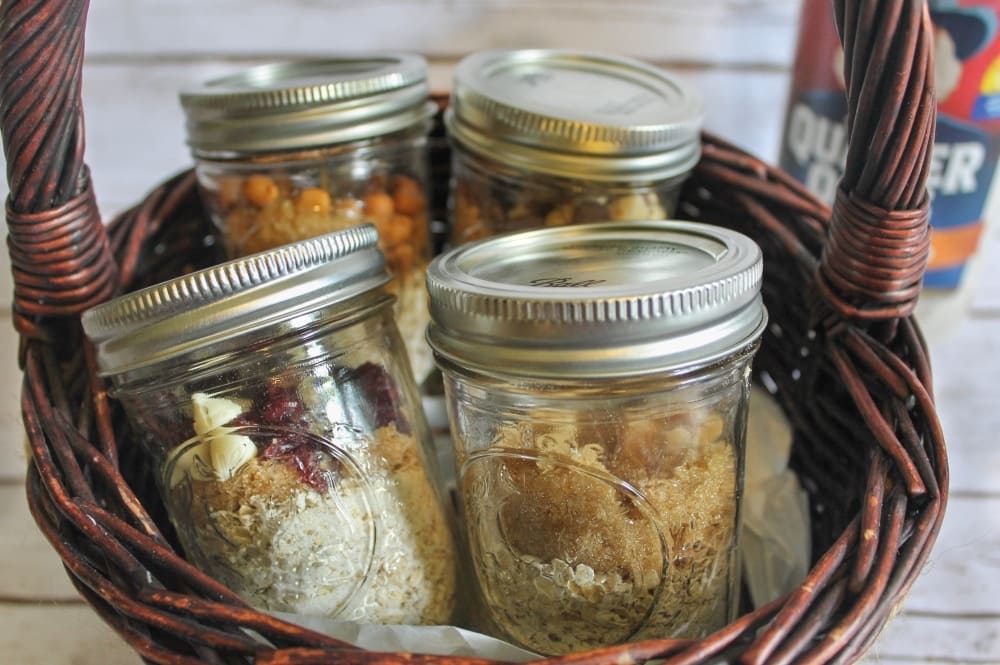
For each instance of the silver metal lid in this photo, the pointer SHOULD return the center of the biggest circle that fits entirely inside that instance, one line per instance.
(575, 114)
(232, 299)
(305, 104)
(608, 299)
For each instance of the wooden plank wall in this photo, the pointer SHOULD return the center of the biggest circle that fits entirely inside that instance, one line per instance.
(738, 52)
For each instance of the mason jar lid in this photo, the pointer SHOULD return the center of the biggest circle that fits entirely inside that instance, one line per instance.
(575, 114)
(597, 300)
(228, 301)
(307, 104)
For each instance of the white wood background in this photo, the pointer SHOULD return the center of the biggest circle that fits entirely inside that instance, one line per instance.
(738, 52)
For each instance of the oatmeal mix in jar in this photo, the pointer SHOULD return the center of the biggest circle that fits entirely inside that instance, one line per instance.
(597, 380)
(547, 138)
(274, 397)
(290, 151)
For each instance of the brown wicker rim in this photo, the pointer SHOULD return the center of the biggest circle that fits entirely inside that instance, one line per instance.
(842, 355)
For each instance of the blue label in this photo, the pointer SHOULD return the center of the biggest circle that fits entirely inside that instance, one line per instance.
(963, 165)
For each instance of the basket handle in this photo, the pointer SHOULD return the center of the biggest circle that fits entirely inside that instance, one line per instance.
(878, 243)
(59, 249)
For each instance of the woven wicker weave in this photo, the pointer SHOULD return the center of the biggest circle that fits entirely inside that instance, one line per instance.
(849, 364)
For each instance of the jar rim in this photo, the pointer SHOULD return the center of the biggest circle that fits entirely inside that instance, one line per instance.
(605, 299)
(234, 298)
(536, 107)
(307, 103)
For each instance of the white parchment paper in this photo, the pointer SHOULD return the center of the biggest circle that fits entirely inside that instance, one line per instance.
(436, 640)
(775, 538)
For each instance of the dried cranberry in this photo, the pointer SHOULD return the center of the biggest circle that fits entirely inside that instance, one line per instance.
(318, 468)
(242, 420)
(314, 464)
(281, 405)
(381, 392)
(281, 446)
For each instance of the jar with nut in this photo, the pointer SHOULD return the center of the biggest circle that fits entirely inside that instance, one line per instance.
(286, 152)
(277, 409)
(597, 379)
(552, 138)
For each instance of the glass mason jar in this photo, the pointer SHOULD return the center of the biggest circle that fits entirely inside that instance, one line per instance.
(286, 152)
(274, 397)
(597, 380)
(547, 138)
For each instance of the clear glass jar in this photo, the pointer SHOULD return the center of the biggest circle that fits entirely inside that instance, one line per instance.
(533, 146)
(274, 397)
(288, 152)
(597, 380)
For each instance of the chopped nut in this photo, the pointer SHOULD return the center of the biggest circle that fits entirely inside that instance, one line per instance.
(212, 412)
(636, 207)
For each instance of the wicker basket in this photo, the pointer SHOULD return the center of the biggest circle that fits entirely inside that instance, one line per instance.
(849, 364)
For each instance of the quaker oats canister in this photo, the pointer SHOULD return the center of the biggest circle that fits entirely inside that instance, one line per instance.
(963, 180)
(288, 151)
(273, 397)
(551, 138)
(597, 379)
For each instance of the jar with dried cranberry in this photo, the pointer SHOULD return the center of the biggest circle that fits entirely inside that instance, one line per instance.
(277, 405)
(289, 151)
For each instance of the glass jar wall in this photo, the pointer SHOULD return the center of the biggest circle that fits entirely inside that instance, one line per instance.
(597, 379)
(489, 198)
(276, 402)
(534, 146)
(288, 152)
(600, 512)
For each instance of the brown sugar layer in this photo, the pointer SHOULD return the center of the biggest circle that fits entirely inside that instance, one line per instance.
(577, 548)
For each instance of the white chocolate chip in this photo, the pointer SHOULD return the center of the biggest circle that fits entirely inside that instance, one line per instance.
(222, 452)
(212, 412)
(189, 461)
(229, 452)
